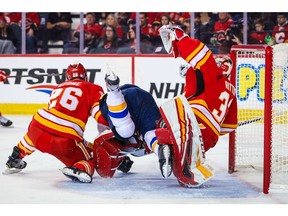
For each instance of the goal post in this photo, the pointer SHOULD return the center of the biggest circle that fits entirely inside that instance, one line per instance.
(261, 142)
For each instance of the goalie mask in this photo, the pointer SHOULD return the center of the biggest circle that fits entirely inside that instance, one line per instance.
(76, 71)
(170, 35)
(225, 64)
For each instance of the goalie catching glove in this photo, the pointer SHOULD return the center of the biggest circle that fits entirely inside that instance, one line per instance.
(169, 35)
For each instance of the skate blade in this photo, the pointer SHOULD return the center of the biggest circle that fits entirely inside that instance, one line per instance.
(11, 126)
(166, 168)
(10, 171)
(78, 176)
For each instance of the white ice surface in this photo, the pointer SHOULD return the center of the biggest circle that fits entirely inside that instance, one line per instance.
(41, 182)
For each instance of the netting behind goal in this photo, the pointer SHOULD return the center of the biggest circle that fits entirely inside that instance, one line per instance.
(261, 141)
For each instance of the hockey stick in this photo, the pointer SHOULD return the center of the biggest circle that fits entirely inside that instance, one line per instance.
(250, 121)
(35, 75)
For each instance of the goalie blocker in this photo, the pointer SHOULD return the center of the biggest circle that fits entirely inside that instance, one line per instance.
(183, 133)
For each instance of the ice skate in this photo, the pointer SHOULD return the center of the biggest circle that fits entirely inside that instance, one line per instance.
(76, 174)
(5, 122)
(14, 163)
(112, 81)
(165, 160)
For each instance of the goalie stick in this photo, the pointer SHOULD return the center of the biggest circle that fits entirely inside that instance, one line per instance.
(250, 121)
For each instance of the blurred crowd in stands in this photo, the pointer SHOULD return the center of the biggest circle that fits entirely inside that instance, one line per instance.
(115, 32)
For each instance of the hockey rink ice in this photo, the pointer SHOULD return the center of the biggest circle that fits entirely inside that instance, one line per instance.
(41, 182)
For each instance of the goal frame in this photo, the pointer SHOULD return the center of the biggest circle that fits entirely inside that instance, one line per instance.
(267, 111)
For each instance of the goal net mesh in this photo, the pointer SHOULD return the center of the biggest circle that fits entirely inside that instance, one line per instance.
(249, 138)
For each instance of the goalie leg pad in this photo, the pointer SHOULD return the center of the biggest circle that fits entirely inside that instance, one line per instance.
(195, 177)
(188, 153)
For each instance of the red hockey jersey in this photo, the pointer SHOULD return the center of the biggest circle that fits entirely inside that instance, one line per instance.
(200, 57)
(216, 109)
(70, 105)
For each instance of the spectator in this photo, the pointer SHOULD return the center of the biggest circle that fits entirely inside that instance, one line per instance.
(130, 45)
(6, 37)
(187, 25)
(180, 18)
(109, 43)
(197, 26)
(122, 19)
(13, 24)
(90, 40)
(269, 19)
(146, 33)
(58, 28)
(90, 24)
(90, 27)
(31, 25)
(174, 17)
(101, 18)
(112, 20)
(259, 36)
(156, 39)
(151, 16)
(205, 31)
(220, 28)
(223, 23)
(280, 31)
(233, 36)
(41, 29)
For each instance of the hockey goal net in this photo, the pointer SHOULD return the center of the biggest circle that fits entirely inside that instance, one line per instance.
(260, 143)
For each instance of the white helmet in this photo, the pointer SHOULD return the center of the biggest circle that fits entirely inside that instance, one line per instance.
(225, 64)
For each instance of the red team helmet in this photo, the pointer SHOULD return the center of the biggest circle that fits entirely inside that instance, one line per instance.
(76, 71)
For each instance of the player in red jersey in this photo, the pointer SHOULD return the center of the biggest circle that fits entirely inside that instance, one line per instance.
(209, 92)
(58, 129)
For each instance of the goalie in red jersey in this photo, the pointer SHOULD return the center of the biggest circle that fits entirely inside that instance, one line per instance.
(211, 97)
(58, 129)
